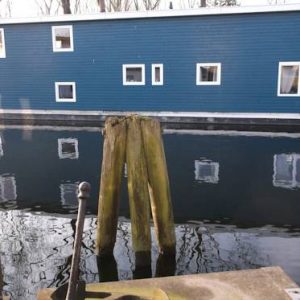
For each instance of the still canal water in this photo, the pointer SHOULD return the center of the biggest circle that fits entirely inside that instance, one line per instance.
(236, 199)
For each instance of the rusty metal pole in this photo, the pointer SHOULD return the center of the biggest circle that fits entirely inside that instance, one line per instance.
(83, 195)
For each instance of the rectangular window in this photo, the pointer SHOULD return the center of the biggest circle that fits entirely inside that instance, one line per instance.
(289, 79)
(2, 44)
(62, 38)
(65, 91)
(157, 74)
(68, 148)
(208, 74)
(133, 74)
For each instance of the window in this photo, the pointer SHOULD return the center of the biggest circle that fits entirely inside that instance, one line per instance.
(133, 74)
(206, 171)
(68, 148)
(208, 74)
(286, 170)
(65, 91)
(289, 79)
(157, 74)
(8, 188)
(62, 38)
(2, 44)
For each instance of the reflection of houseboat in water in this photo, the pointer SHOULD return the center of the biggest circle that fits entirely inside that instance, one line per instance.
(253, 179)
(238, 63)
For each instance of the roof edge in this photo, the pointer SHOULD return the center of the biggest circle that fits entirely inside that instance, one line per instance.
(155, 14)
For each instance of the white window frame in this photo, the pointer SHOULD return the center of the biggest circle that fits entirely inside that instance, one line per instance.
(124, 68)
(198, 77)
(57, 84)
(63, 155)
(3, 52)
(214, 178)
(161, 73)
(283, 64)
(71, 49)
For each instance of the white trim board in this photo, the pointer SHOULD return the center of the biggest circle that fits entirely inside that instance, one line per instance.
(157, 14)
(283, 116)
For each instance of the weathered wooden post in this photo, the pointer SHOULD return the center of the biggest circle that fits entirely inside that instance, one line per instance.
(114, 150)
(138, 192)
(83, 195)
(159, 187)
(138, 141)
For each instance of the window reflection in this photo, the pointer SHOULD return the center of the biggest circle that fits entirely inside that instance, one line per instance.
(68, 148)
(8, 188)
(68, 194)
(1, 148)
(286, 170)
(206, 171)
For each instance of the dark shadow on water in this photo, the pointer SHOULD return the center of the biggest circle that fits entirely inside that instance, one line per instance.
(142, 265)
(107, 267)
(165, 265)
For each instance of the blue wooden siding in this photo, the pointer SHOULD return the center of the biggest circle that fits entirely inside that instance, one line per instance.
(249, 47)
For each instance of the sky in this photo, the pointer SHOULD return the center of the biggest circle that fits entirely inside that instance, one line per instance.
(21, 8)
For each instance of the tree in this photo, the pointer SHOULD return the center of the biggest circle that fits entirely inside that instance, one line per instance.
(225, 3)
(6, 8)
(275, 2)
(101, 4)
(47, 7)
(205, 3)
(66, 6)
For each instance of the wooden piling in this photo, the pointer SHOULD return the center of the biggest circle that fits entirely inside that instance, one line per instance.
(159, 187)
(114, 149)
(139, 201)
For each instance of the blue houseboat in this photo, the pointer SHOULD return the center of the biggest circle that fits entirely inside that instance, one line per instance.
(238, 63)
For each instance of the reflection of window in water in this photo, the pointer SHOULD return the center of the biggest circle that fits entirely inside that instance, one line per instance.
(68, 148)
(68, 194)
(125, 170)
(206, 171)
(286, 170)
(1, 148)
(8, 188)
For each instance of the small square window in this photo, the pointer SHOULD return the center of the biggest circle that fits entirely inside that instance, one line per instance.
(206, 171)
(133, 74)
(157, 74)
(289, 79)
(65, 91)
(2, 44)
(62, 38)
(68, 148)
(208, 74)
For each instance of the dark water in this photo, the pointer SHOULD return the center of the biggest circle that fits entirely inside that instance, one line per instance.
(236, 199)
